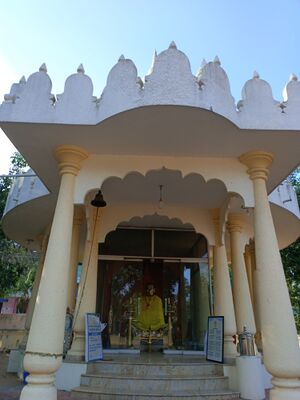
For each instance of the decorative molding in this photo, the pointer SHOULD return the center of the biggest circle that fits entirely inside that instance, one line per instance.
(170, 81)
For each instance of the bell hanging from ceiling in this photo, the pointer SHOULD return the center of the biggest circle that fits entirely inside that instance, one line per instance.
(98, 200)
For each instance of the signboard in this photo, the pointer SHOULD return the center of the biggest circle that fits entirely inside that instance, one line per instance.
(93, 338)
(215, 339)
(10, 306)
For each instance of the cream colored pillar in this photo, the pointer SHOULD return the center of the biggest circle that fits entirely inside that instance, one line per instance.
(77, 221)
(248, 264)
(223, 301)
(87, 293)
(255, 278)
(43, 354)
(201, 303)
(241, 294)
(279, 336)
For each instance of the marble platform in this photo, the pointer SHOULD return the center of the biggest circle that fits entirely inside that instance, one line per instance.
(154, 376)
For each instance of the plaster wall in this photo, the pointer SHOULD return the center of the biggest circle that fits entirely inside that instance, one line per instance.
(97, 168)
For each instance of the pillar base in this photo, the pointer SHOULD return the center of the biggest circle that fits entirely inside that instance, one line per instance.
(78, 346)
(229, 347)
(39, 391)
(285, 389)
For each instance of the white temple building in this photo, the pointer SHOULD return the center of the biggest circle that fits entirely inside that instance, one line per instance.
(197, 206)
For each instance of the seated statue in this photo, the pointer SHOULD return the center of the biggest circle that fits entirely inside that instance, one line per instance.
(151, 315)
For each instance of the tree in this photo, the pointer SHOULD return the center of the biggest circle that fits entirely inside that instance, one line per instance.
(291, 260)
(17, 264)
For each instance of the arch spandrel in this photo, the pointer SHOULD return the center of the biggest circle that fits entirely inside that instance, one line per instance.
(99, 170)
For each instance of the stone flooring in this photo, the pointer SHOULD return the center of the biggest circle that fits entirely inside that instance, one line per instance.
(10, 385)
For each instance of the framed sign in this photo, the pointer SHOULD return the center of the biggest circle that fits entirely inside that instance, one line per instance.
(93, 337)
(215, 339)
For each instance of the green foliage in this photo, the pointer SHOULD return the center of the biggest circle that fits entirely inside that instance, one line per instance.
(17, 268)
(291, 260)
(17, 264)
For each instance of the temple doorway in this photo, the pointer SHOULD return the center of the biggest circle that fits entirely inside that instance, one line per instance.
(157, 292)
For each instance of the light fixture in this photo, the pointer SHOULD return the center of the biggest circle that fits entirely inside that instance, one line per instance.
(98, 200)
(160, 203)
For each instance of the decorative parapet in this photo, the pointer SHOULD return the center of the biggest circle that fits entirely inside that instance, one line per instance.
(169, 82)
(285, 196)
(24, 189)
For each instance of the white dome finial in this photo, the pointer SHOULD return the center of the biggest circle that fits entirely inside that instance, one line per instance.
(203, 63)
(22, 80)
(217, 60)
(121, 58)
(256, 75)
(43, 68)
(80, 69)
(293, 77)
(172, 45)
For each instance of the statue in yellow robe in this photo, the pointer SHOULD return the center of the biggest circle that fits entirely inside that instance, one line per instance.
(151, 315)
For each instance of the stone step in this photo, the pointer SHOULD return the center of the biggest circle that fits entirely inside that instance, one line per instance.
(161, 370)
(93, 393)
(168, 385)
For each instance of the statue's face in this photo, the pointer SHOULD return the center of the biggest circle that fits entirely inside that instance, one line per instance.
(150, 290)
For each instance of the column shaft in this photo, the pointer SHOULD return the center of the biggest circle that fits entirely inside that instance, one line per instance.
(241, 293)
(223, 300)
(77, 221)
(248, 264)
(279, 336)
(43, 354)
(87, 293)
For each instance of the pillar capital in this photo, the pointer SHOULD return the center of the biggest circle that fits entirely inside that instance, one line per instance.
(69, 158)
(258, 163)
(235, 222)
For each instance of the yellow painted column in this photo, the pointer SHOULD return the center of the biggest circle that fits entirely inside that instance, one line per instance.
(43, 354)
(223, 301)
(255, 278)
(87, 293)
(241, 293)
(248, 264)
(77, 221)
(279, 336)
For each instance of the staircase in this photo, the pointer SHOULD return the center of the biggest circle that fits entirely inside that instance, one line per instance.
(154, 377)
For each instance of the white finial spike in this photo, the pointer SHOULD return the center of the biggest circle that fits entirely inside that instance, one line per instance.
(22, 80)
(80, 69)
(255, 75)
(172, 45)
(43, 68)
(217, 60)
(203, 63)
(155, 54)
(293, 77)
(121, 58)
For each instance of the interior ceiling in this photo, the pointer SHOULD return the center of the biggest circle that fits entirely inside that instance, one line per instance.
(176, 190)
(154, 130)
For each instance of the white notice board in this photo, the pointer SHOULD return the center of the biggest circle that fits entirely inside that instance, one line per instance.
(215, 339)
(93, 337)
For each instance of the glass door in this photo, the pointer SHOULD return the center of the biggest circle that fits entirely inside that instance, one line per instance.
(169, 298)
(186, 287)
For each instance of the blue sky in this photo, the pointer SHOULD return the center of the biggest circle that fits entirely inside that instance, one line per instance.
(246, 35)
